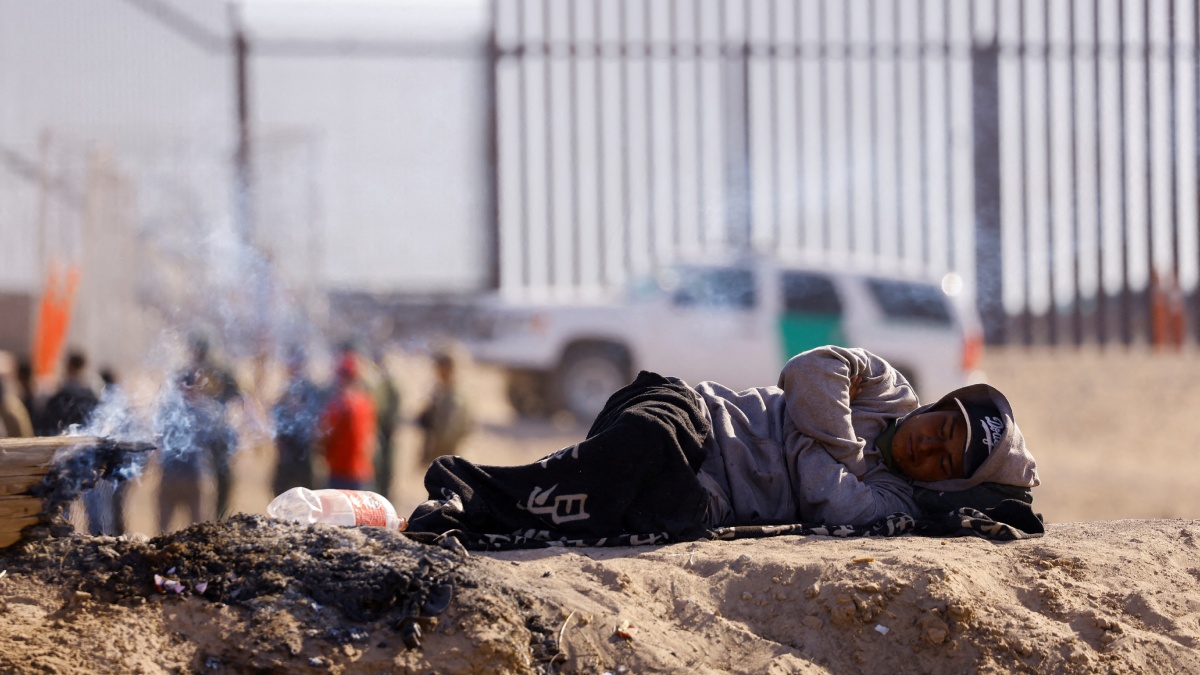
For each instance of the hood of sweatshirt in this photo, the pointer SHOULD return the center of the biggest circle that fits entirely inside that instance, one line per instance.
(1008, 463)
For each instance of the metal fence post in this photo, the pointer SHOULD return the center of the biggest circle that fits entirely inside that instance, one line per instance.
(985, 103)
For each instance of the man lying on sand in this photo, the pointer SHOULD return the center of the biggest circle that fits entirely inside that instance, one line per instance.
(839, 441)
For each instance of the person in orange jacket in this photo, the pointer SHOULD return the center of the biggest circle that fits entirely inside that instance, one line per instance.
(348, 430)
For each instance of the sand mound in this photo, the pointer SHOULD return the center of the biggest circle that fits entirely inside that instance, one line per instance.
(1111, 596)
(1117, 596)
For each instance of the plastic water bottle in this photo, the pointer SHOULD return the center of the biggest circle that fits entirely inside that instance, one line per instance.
(336, 507)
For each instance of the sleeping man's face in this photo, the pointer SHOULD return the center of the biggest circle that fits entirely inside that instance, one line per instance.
(929, 447)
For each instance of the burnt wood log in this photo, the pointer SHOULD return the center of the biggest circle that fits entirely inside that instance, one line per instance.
(39, 475)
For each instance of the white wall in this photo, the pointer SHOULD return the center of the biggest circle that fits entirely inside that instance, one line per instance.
(84, 74)
(370, 169)
(399, 135)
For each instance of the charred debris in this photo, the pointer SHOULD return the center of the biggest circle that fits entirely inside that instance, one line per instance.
(339, 579)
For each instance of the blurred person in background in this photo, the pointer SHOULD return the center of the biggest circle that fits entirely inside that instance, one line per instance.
(212, 387)
(71, 406)
(1168, 311)
(194, 434)
(28, 395)
(105, 503)
(375, 380)
(387, 408)
(297, 416)
(14, 419)
(348, 429)
(74, 401)
(447, 418)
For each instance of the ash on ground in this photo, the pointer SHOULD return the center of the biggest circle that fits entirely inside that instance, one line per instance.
(336, 578)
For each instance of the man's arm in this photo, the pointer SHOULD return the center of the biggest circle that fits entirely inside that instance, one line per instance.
(832, 495)
(825, 386)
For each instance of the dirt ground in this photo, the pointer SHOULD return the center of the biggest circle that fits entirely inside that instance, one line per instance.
(1112, 587)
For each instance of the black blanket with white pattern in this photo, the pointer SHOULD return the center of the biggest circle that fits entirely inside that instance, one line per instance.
(1010, 521)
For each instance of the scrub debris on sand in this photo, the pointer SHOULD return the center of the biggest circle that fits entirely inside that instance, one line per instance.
(282, 596)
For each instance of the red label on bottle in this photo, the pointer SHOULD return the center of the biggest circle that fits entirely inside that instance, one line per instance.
(367, 509)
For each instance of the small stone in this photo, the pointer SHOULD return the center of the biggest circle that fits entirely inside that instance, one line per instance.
(80, 596)
(1078, 656)
(812, 591)
(959, 612)
(813, 622)
(453, 545)
(747, 595)
(868, 587)
(934, 630)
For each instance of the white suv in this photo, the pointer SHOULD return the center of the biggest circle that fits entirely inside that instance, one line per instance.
(735, 323)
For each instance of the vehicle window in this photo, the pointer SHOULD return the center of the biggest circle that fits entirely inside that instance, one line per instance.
(809, 293)
(716, 287)
(908, 301)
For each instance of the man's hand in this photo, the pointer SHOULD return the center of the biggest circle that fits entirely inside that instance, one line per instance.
(855, 386)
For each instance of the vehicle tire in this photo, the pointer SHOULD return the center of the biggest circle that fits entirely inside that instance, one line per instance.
(588, 375)
(529, 393)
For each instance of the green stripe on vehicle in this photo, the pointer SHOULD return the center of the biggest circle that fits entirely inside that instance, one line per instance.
(798, 332)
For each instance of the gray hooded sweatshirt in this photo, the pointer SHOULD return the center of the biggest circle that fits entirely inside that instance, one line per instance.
(801, 450)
